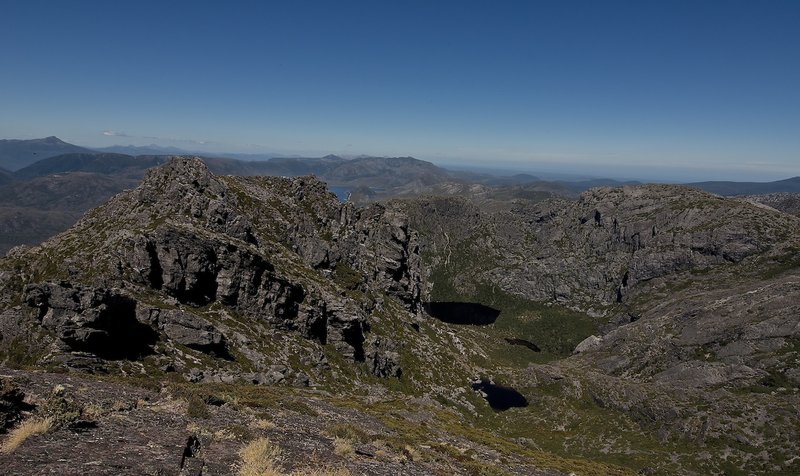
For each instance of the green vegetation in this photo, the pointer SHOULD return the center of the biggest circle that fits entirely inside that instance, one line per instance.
(20, 353)
(346, 277)
(788, 261)
(555, 329)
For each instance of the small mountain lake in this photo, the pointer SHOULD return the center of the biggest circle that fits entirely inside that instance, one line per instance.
(462, 312)
(524, 343)
(500, 398)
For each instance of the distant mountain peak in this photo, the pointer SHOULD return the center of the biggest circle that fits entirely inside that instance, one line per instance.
(18, 153)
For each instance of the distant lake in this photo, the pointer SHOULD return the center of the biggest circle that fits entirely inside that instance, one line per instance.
(341, 193)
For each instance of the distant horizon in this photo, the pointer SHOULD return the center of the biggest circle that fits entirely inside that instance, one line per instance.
(655, 174)
(551, 172)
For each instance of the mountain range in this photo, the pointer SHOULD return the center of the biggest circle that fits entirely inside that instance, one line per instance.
(43, 211)
(18, 153)
(642, 329)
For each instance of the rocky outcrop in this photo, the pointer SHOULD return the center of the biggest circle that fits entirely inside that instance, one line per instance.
(189, 330)
(185, 188)
(112, 325)
(375, 241)
(12, 403)
(198, 270)
(96, 320)
(171, 260)
(383, 358)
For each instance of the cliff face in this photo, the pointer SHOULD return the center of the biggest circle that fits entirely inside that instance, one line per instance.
(597, 250)
(168, 263)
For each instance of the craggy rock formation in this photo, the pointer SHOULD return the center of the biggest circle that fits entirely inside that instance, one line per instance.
(594, 251)
(97, 320)
(160, 264)
(786, 202)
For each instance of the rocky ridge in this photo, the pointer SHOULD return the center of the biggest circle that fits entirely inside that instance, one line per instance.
(597, 250)
(142, 270)
(786, 202)
(201, 313)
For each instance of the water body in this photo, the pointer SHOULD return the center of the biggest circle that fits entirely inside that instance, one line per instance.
(462, 312)
(341, 193)
(500, 398)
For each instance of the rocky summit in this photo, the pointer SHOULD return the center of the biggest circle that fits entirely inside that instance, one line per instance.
(204, 324)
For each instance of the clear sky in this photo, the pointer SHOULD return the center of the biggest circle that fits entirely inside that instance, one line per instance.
(656, 89)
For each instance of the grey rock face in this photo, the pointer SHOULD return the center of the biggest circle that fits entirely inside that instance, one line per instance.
(587, 344)
(375, 241)
(735, 332)
(110, 324)
(382, 358)
(185, 187)
(100, 321)
(197, 270)
(190, 330)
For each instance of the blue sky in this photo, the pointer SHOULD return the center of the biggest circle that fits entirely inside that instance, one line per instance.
(654, 89)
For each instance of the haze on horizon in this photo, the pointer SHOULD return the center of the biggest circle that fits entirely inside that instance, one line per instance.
(677, 90)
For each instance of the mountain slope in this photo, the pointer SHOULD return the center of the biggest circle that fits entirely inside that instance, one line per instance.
(683, 314)
(34, 210)
(74, 191)
(596, 250)
(791, 185)
(134, 150)
(16, 154)
(222, 288)
(6, 176)
(784, 201)
(211, 210)
(116, 164)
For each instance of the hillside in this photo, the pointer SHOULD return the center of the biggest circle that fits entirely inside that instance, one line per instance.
(785, 201)
(33, 210)
(16, 153)
(681, 307)
(791, 185)
(101, 163)
(6, 176)
(231, 288)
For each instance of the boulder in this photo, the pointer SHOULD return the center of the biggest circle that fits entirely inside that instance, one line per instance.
(192, 331)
